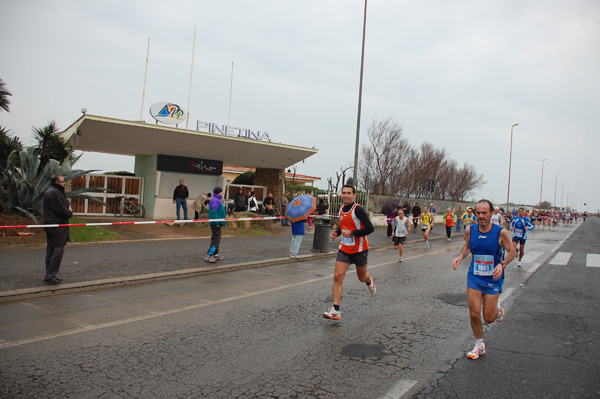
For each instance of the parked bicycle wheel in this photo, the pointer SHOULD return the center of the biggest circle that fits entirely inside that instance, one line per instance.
(118, 209)
(139, 211)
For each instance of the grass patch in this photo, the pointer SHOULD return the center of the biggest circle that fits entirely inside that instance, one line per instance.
(254, 230)
(89, 233)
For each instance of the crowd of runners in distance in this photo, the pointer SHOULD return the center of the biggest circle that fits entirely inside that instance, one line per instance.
(543, 218)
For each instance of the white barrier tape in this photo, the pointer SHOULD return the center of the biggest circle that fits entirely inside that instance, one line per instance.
(31, 226)
(28, 226)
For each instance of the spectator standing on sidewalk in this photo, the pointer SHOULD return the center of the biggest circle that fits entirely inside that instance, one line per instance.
(239, 201)
(252, 203)
(321, 207)
(180, 196)
(198, 205)
(297, 235)
(459, 220)
(216, 210)
(284, 204)
(416, 212)
(56, 211)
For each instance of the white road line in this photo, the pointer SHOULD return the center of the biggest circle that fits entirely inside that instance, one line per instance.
(399, 389)
(531, 256)
(86, 328)
(561, 258)
(592, 260)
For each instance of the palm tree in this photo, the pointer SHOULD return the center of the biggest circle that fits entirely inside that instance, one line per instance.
(4, 93)
(51, 145)
(8, 144)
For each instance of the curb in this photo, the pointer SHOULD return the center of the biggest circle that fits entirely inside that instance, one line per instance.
(87, 286)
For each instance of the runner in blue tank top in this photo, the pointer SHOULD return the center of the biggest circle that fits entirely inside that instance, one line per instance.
(519, 226)
(485, 242)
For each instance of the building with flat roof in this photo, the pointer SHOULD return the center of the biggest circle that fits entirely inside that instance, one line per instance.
(166, 154)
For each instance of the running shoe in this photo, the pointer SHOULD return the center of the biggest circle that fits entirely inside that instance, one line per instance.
(448, 239)
(210, 259)
(478, 350)
(520, 265)
(500, 315)
(372, 287)
(400, 259)
(333, 314)
(427, 245)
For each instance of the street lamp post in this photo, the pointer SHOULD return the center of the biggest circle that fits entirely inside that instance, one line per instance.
(542, 182)
(562, 193)
(509, 165)
(362, 63)
(555, 183)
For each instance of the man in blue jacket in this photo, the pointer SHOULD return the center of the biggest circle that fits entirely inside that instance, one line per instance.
(216, 210)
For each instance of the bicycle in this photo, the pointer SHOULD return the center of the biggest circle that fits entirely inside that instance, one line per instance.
(126, 205)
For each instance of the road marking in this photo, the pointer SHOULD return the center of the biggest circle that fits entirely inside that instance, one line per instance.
(87, 327)
(399, 389)
(592, 260)
(531, 256)
(561, 258)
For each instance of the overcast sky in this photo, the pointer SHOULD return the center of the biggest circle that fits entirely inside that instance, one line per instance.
(454, 73)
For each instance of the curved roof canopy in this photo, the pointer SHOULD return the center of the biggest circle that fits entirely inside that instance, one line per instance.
(115, 136)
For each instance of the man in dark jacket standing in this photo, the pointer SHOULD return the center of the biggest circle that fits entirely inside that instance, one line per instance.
(180, 196)
(56, 211)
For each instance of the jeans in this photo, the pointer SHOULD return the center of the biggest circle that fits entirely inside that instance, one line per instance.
(285, 221)
(54, 257)
(459, 223)
(295, 247)
(181, 202)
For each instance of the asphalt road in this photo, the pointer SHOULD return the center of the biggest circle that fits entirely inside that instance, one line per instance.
(259, 333)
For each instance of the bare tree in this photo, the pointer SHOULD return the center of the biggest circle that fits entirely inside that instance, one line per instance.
(384, 157)
(393, 167)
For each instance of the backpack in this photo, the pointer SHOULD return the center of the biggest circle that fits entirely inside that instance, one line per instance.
(252, 203)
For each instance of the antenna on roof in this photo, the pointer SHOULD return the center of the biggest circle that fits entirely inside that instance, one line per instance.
(187, 121)
(145, 76)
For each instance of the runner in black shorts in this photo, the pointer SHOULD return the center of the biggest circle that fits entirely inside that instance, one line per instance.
(354, 226)
(400, 228)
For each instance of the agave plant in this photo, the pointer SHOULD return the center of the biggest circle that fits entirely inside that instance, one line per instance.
(22, 187)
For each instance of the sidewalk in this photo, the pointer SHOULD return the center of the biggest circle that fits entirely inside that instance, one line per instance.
(108, 264)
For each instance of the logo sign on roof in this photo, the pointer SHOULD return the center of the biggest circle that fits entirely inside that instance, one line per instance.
(168, 113)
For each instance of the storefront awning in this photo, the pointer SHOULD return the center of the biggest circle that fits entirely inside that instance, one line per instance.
(115, 136)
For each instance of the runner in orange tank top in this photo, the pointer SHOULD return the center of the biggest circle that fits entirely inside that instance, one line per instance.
(354, 227)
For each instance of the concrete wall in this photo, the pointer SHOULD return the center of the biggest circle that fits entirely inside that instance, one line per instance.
(159, 186)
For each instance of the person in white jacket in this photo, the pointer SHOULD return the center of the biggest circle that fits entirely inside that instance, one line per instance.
(252, 203)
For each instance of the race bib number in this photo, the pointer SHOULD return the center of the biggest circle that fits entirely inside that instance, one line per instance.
(483, 265)
(401, 230)
(518, 233)
(425, 225)
(348, 241)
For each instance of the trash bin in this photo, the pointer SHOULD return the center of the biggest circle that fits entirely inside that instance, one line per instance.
(322, 234)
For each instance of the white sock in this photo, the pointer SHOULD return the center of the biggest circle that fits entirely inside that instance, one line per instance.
(479, 341)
